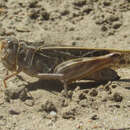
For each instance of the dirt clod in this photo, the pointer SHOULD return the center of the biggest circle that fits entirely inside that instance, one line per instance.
(114, 85)
(69, 112)
(82, 96)
(64, 102)
(116, 25)
(45, 15)
(14, 112)
(79, 3)
(33, 13)
(84, 103)
(32, 4)
(48, 106)
(94, 117)
(107, 87)
(15, 93)
(117, 97)
(93, 93)
(106, 3)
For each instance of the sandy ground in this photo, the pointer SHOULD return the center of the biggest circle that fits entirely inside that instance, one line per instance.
(87, 23)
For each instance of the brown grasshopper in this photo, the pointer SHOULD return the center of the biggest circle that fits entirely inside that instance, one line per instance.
(66, 64)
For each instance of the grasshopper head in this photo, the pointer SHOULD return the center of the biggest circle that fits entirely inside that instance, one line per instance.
(8, 52)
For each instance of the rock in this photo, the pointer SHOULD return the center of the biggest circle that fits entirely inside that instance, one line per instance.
(114, 105)
(117, 97)
(29, 102)
(77, 88)
(113, 18)
(44, 15)
(33, 13)
(93, 93)
(82, 96)
(80, 126)
(3, 121)
(15, 93)
(64, 102)
(78, 96)
(53, 113)
(48, 106)
(106, 3)
(14, 112)
(114, 85)
(104, 28)
(84, 103)
(87, 9)
(69, 112)
(94, 117)
(70, 93)
(64, 12)
(32, 4)
(117, 25)
(107, 87)
(79, 3)
(21, 28)
(2, 31)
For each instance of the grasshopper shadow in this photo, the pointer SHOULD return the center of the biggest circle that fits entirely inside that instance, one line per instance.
(88, 83)
(125, 80)
(54, 85)
(49, 85)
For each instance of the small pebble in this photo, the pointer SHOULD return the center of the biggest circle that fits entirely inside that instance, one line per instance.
(117, 97)
(82, 96)
(29, 102)
(116, 25)
(113, 85)
(94, 117)
(14, 112)
(93, 92)
(48, 106)
(53, 113)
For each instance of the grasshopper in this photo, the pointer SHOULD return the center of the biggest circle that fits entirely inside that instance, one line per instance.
(66, 64)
